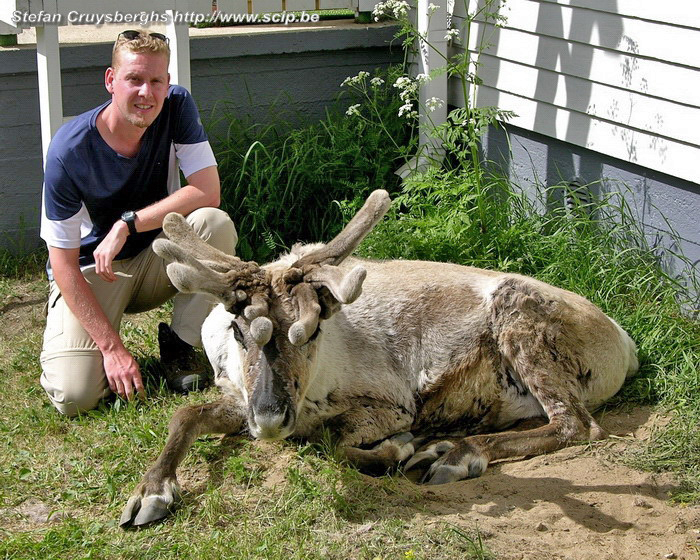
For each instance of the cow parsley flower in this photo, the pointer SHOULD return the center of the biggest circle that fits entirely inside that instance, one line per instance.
(407, 110)
(434, 103)
(402, 82)
(432, 7)
(396, 9)
(422, 78)
(453, 35)
(355, 80)
(376, 82)
(353, 110)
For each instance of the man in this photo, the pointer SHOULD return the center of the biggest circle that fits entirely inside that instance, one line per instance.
(111, 177)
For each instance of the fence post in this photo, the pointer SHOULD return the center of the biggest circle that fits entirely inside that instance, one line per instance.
(432, 24)
(48, 62)
(179, 35)
(431, 57)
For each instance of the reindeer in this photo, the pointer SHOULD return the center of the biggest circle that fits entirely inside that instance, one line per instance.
(425, 350)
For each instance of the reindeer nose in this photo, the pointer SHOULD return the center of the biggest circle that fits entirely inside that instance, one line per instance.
(271, 424)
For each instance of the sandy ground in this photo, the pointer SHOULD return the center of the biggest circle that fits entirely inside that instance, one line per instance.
(580, 503)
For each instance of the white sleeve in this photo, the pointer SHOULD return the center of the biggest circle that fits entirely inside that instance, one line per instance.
(194, 157)
(66, 233)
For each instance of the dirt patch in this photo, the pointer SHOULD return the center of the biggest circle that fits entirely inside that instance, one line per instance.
(21, 307)
(579, 503)
(30, 514)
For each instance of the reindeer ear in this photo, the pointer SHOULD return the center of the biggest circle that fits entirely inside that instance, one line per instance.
(345, 287)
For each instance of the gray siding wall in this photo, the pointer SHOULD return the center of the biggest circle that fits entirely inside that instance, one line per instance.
(666, 207)
(298, 70)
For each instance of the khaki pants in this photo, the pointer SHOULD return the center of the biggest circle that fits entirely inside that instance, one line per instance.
(73, 373)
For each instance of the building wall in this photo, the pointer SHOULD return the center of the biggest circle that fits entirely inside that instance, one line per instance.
(666, 207)
(604, 91)
(619, 77)
(300, 71)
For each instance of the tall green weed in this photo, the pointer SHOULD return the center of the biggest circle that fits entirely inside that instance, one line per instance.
(281, 184)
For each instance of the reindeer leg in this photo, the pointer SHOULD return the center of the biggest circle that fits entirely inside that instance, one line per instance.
(373, 423)
(158, 491)
(383, 457)
(469, 457)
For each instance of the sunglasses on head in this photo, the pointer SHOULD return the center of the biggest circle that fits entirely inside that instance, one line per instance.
(131, 34)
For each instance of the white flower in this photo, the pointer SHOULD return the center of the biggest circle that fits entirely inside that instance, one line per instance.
(402, 82)
(376, 82)
(422, 78)
(353, 110)
(355, 80)
(432, 7)
(452, 35)
(407, 110)
(434, 103)
(401, 9)
(396, 9)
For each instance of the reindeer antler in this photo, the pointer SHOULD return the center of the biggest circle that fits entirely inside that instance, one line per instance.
(319, 271)
(196, 266)
(343, 244)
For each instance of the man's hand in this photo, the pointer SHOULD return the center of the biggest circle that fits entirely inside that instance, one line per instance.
(123, 373)
(108, 249)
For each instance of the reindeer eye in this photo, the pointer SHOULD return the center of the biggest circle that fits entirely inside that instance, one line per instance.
(238, 334)
(313, 336)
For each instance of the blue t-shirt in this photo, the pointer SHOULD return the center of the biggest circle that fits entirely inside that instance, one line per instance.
(88, 186)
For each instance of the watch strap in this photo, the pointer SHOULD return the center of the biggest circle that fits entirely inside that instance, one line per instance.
(130, 219)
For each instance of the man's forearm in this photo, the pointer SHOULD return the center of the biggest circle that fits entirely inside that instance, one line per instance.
(185, 200)
(84, 305)
(204, 190)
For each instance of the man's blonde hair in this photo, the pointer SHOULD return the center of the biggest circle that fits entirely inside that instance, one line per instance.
(143, 44)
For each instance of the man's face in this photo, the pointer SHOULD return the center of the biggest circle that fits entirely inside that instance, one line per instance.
(139, 86)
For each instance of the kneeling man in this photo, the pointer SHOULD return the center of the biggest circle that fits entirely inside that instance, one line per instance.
(112, 175)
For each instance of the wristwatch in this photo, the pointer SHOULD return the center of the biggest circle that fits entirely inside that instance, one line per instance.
(129, 217)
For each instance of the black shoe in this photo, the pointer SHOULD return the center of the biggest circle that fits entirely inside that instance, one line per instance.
(184, 370)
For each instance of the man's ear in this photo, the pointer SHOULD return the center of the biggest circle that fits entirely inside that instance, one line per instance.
(110, 73)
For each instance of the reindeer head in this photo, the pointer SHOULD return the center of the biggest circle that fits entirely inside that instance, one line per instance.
(278, 309)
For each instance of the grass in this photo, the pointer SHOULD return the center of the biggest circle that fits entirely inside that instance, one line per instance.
(292, 500)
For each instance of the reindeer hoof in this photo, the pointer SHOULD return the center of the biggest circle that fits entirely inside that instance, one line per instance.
(141, 510)
(399, 446)
(456, 465)
(426, 457)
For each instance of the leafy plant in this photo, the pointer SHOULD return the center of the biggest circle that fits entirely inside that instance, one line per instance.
(279, 183)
